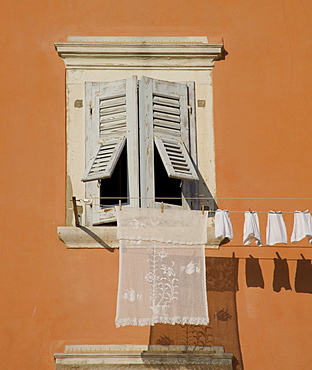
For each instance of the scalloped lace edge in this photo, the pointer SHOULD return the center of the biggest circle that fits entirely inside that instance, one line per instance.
(162, 320)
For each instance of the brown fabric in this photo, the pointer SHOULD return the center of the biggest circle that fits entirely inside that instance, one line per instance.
(221, 276)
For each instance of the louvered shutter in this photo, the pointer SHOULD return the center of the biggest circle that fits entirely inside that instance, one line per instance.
(165, 121)
(170, 128)
(109, 113)
(111, 123)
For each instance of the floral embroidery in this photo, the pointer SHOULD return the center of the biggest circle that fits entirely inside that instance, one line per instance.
(163, 254)
(191, 268)
(131, 295)
(150, 277)
(136, 223)
(168, 270)
(163, 282)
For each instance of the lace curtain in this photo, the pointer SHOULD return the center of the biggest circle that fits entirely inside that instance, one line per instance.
(162, 267)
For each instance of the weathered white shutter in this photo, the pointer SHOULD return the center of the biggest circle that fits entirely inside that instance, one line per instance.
(111, 123)
(175, 158)
(109, 127)
(103, 163)
(165, 120)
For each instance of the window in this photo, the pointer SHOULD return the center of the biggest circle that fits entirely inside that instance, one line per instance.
(133, 122)
(139, 139)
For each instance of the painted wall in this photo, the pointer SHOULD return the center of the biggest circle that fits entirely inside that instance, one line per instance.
(51, 296)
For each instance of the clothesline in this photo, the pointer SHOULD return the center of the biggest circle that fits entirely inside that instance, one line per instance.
(120, 199)
(288, 246)
(198, 197)
(230, 211)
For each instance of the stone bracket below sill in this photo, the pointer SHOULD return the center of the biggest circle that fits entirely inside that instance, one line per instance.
(105, 237)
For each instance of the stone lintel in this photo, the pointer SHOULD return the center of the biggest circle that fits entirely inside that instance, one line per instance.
(139, 52)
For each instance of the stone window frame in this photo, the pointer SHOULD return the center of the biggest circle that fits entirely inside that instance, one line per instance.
(93, 59)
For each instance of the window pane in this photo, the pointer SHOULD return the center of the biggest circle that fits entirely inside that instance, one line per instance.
(165, 187)
(115, 187)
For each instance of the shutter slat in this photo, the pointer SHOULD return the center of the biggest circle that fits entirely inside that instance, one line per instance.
(166, 117)
(166, 109)
(115, 118)
(120, 126)
(164, 123)
(170, 102)
(112, 110)
(113, 102)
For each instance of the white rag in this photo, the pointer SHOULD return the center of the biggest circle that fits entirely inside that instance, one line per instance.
(162, 276)
(223, 225)
(251, 229)
(302, 226)
(276, 228)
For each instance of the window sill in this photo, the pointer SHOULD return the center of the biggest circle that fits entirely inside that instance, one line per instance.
(105, 237)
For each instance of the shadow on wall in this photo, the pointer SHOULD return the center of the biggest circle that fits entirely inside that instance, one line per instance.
(222, 285)
(303, 276)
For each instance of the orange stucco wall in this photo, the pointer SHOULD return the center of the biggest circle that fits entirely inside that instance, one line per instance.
(51, 296)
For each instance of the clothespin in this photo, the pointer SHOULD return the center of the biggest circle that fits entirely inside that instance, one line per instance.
(203, 209)
(120, 207)
(278, 255)
(250, 210)
(162, 207)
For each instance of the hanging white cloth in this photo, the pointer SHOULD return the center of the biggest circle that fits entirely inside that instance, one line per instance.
(251, 228)
(162, 276)
(302, 226)
(170, 226)
(223, 225)
(276, 228)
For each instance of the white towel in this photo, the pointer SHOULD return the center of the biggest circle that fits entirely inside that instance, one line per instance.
(162, 276)
(223, 225)
(302, 226)
(276, 229)
(251, 228)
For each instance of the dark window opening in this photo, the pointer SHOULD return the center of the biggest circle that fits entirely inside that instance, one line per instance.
(116, 187)
(165, 187)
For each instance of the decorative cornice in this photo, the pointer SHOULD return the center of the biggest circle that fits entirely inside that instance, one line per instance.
(192, 53)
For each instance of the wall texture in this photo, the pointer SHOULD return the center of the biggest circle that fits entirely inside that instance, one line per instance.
(51, 296)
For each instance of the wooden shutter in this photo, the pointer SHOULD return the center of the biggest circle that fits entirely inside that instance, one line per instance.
(165, 121)
(109, 128)
(175, 158)
(111, 123)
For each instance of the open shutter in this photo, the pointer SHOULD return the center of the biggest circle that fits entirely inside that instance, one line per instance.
(104, 162)
(171, 128)
(111, 123)
(109, 128)
(175, 158)
(165, 121)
